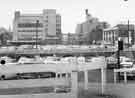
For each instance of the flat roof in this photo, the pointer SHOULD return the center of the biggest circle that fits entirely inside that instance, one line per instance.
(111, 28)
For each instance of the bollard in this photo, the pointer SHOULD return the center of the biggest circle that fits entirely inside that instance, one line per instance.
(74, 83)
(86, 79)
(103, 79)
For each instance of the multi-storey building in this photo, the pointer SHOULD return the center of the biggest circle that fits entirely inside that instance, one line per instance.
(125, 32)
(44, 27)
(86, 31)
(110, 35)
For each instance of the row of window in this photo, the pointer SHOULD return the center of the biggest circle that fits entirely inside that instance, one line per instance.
(30, 35)
(29, 30)
(57, 25)
(57, 21)
(28, 25)
(29, 39)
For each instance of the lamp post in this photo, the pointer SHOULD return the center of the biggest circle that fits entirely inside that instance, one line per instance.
(37, 22)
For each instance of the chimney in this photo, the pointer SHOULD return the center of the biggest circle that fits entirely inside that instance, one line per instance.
(86, 12)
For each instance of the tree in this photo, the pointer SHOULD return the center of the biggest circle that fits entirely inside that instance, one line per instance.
(4, 37)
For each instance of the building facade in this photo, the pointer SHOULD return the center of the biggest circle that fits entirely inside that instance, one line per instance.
(110, 35)
(69, 39)
(125, 32)
(45, 27)
(90, 30)
(84, 29)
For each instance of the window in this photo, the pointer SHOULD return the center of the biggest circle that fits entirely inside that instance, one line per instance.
(58, 75)
(58, 25)
(69, 75)
(46, 21)
(63, 75)
(90, 21)
(46, 25)
(46, 29)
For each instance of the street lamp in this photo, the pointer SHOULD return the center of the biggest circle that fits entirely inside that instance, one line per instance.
(37, 23)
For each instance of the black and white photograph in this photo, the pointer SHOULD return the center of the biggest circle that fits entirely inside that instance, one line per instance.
(67, 49)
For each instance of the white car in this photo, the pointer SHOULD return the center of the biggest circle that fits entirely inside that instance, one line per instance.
(34, 60)
(51, 59)
(7, 59)
(23, 60)
(126, 62)
(62, 89)
(111, 60)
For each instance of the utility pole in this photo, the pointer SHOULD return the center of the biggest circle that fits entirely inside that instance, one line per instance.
(118, 61)
(128, 35)
(37, 23)
(120, 47)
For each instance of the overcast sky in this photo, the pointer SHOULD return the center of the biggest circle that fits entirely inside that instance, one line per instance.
(72, 11)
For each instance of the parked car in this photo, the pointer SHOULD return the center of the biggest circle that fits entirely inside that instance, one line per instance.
(62, 89)
(8, 60)
(111, 60)
(126, 62)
